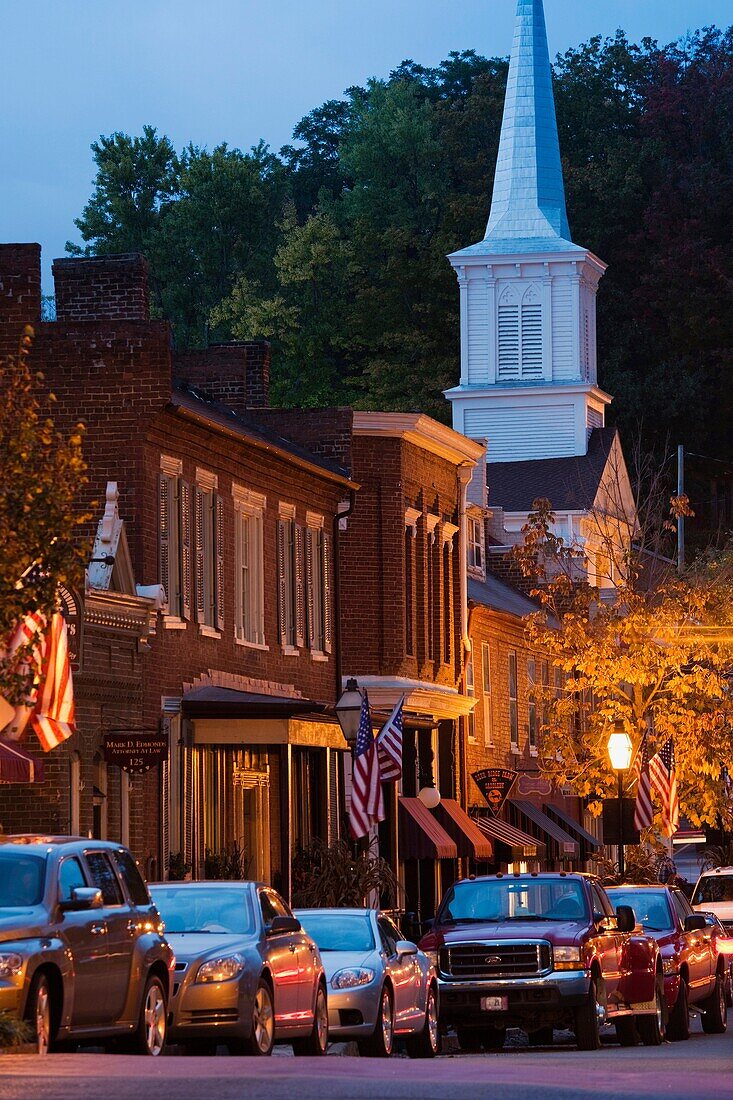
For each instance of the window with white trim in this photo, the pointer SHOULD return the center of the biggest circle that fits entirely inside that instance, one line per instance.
(486, 685)
(513, 704)
(249, 622)
(520, 350)
(475, 544)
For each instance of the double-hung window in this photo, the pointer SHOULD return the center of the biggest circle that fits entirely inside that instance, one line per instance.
(513, 704)
(476, 544)
(249, 511)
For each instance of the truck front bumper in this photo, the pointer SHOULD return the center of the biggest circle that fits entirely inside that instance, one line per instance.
(532, 1002)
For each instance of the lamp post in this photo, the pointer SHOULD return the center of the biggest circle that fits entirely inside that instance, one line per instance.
(348, 711)
(620, 749)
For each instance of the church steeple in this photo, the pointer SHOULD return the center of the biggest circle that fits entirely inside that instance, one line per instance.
(529, 194)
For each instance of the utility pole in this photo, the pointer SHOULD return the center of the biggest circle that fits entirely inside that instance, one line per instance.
(680, 516)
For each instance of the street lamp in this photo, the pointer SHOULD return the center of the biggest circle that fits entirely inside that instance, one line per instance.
(620, 749)
(348, 711)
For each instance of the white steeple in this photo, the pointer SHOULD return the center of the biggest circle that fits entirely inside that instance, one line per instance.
(528, 321)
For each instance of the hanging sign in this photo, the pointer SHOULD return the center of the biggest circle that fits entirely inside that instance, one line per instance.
(72, 611)
(135, 751)
(534, 784)
(495, 785)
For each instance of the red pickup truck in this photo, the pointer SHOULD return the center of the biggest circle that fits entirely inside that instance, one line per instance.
(542, 951)
(695, 970)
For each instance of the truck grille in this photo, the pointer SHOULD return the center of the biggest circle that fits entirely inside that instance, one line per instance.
(496, 960)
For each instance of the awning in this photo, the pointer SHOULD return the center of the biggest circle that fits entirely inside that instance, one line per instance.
(421, 836)
(565, 844)
(521, 845)
(217, 702)
(574, 827)
(469, 839)
(17, 765)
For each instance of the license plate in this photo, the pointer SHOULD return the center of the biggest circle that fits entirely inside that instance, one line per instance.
(494, 1004)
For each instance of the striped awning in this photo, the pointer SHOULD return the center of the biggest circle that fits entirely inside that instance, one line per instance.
(421, 835)
(17, 765)
(521, 845)
(567, 847)
(574, 827)
(469, 839)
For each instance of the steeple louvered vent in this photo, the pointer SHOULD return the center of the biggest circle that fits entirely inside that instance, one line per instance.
(508, 341)
(520, 335)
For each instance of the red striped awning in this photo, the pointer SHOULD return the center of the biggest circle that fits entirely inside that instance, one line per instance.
(469, 839)
(17, 765)
(421, 836)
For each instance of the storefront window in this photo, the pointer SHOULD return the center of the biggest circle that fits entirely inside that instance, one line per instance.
(233, 800)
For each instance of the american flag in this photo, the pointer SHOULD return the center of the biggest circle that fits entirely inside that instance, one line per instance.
(367, 803)
(644, 810)
(663, 774)
(51, 711)
(389, 744)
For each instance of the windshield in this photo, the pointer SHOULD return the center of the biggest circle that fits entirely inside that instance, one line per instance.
(651, 907)
(21, 880)
(713, 888)
(198, 909)
(511, 900)
(339, 931)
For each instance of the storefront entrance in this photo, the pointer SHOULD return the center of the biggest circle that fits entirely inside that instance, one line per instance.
(232, 798)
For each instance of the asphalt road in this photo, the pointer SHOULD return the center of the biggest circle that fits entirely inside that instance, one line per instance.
(699, 1068)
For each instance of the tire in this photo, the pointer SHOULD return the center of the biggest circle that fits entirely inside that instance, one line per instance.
(715, 1014)
(262, 1035)
(470, 1039)
(38, 1013)
(588, 1019)
(653, 1029)
(678, 1028)
(381, 1042)
(626, 1032)
(152, 1026)
(426, 1044)
(316, 1044)
(543, 1037)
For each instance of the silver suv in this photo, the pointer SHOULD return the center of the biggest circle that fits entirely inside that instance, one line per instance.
(82, 956)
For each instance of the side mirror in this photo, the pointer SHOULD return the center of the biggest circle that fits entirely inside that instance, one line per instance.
(404, 947)
(82, 897)
(280, 926)
(696, 922)
(625, 918)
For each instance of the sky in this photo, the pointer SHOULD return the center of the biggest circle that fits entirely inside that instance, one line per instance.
(231, 70)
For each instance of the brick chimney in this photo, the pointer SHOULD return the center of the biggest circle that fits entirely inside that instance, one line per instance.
(20, 283)
(236, 374)
(92, 288)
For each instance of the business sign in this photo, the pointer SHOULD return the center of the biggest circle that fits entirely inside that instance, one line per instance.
(534, 784)
(135, 751)
(495, 785)
(73, 613)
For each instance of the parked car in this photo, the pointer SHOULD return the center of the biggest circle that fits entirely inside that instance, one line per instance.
(380, 986)
(82, 956)
(713, 893)
(246, 973)
(695, 971)
(540, 951)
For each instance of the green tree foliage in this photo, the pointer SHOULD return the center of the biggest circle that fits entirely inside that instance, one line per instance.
(397, 174)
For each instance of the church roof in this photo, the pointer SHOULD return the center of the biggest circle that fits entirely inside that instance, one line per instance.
(570, 484)
(528, 212)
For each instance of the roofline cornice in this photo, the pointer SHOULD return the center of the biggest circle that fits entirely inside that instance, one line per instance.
(459, 393)
(422, 431)
(578, 255)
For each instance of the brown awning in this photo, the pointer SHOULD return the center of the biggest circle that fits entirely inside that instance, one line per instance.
(573, 827)
(210, 701)
(470, 841)
(521, 845)
(421, 836)
(566, 846)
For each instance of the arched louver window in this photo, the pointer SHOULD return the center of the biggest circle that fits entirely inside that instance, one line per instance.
(520, 335)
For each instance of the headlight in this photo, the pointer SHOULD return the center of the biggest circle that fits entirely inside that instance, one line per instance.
(669, 966)
(566, 958)
(221, 970)
(352, 978)
(11, 966)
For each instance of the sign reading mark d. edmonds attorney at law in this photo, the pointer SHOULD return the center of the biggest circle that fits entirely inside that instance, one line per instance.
(135, 751)
(495, 785)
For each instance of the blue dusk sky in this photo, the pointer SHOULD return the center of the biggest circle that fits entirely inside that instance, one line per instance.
(231, 70)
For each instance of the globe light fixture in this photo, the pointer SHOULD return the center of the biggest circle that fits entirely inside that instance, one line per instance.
(429, 796)
(348, 711)
(620, 749)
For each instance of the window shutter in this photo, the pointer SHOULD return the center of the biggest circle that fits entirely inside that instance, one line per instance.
(300, 585)
(281, 582)
(327, 593)
(310, 588)
(199, 560)
(184, 505)
(164, 505)
(333, 797)
(218, 520)
(508, 341)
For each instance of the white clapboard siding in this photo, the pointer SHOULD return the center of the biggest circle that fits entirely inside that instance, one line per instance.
(563, 367)
(515, 434)
(478, 333)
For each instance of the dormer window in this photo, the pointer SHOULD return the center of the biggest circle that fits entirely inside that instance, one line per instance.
(520, 333)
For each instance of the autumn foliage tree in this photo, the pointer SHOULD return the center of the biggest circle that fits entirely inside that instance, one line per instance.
(41, 472)
(657, 659)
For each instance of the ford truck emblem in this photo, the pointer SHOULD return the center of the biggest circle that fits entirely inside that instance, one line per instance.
(492, 960)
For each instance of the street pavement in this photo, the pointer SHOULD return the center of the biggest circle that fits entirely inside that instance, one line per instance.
(694, 1070)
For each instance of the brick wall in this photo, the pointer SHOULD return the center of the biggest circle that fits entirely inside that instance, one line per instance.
(20, 284)
(325, 432)
(113, 287)
(236, 374)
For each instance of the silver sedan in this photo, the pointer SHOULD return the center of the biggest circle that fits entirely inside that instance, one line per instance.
(380, 987)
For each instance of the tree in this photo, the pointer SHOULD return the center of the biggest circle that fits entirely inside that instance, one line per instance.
(41, 472)
(638, 659)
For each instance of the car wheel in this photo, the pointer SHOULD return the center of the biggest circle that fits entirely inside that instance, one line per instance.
(262, 1035)
(653, 1029)
(38, 1013)
(316, 1043)
(426, 1044)
(678, 1027)
(589, 1018)
(152, 1025)
(715, 1014)
(381, 1041)
(544, 1037)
